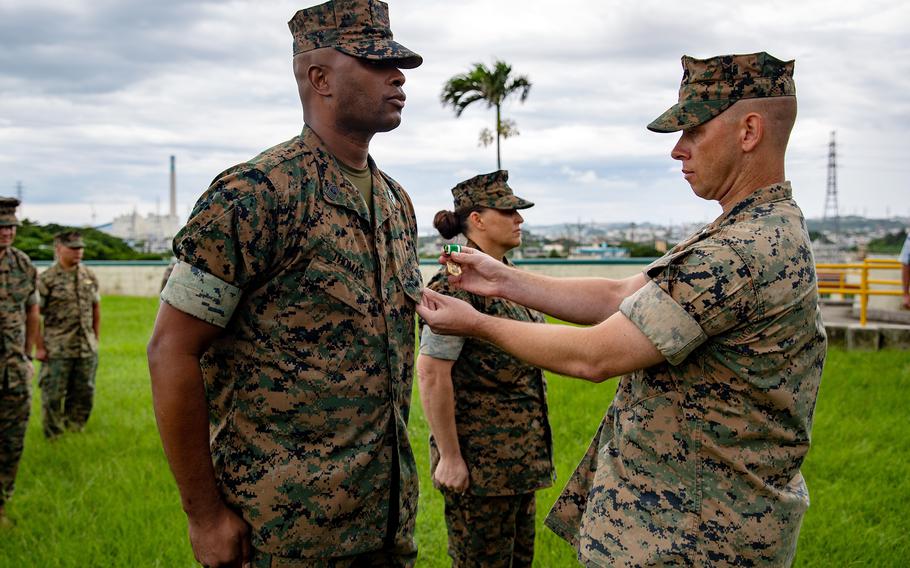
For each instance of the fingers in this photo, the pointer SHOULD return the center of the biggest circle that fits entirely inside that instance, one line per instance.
(467, 256)
(431, 299)
(456, 486)
(461, 257)
(431, 295)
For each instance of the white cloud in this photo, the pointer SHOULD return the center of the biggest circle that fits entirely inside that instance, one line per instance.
(90, 111)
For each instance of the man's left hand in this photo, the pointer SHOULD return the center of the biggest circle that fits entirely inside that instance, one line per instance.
(447, 315)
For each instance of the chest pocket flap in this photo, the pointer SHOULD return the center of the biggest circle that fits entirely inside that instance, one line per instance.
(339, 284)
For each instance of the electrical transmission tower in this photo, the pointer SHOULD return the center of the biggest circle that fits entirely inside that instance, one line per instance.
(831, 193)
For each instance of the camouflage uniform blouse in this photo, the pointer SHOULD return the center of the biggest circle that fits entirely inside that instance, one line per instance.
(18, 291)
(500, 405)
(67, 298)
(309, 385)
(697, 461)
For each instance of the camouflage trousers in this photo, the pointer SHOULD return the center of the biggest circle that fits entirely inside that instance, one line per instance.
(67, 393)
(403, 555)
(15, 403)
(490, 532)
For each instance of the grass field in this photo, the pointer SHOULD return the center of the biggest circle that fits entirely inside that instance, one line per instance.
(106, 497)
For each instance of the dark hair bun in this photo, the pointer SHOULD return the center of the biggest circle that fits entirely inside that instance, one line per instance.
(446, 222)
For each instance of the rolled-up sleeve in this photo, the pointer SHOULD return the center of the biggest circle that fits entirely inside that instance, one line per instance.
(667, 324)
(236, 234)
(201, 295)
(438, 346)
(699, 293)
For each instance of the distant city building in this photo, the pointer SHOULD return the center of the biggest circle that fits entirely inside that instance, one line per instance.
(152, 233)
(551, 248)
(599, 251)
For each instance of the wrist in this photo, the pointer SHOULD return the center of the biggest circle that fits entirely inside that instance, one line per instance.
(506, 282)
(484, 326)
(201, 511)
(451, 455)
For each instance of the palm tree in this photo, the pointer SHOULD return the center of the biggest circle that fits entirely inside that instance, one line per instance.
(493, 86)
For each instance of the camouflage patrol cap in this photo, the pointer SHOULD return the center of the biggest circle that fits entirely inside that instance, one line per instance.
(8, 207)
(488, 190)
(359, 28)
(711, 86)
(70, 239)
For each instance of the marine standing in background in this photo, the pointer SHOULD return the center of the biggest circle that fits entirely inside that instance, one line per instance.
(490, 444)
(287, 325)
(68, 345)
(18, 333)
(697, 460)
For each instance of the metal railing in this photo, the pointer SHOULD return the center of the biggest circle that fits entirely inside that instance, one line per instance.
(832, 279)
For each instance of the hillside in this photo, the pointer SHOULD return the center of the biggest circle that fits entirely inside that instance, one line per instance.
(37, 241)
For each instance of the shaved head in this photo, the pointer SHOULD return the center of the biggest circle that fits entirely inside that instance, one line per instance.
(304, 63)
(778, 113)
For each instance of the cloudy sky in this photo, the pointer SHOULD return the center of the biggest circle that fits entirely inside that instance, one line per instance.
(95, 95)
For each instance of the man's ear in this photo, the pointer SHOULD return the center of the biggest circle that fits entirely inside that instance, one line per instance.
(318, 77)
(752, 131)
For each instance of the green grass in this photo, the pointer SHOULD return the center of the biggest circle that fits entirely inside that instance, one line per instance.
(106, 497)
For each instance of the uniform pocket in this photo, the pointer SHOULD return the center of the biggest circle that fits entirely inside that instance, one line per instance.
(16, 375)
(19, 288)
(407, 268)
(339, 285)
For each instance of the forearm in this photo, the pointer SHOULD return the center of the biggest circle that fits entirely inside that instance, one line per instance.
(438, 399)
(182, 415)
(597, 353)
(577, 300)
(39, 335)
(32, 329)
(905, 278)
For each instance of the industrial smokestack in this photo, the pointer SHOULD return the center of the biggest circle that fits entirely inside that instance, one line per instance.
(173, 189)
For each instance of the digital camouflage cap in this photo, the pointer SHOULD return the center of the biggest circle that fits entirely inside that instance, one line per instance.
(70, 239)
(8, 207)
(711, 86)
(488, 190)
(359, 28)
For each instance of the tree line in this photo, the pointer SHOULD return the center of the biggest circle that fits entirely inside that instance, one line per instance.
(37, 241)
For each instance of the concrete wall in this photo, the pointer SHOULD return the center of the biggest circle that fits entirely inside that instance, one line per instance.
(144, 278)
(123, 278)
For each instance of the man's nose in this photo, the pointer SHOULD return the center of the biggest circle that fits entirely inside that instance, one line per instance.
(397, 78)
(679, 151)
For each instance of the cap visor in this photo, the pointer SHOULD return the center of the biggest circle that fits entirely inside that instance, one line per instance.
(384, 50)
(688, 114)
(513, 202)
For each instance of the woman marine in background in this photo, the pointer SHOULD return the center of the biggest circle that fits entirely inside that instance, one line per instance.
(490, 442)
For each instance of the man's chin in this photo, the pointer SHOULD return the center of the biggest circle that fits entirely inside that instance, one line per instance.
(390, 124)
